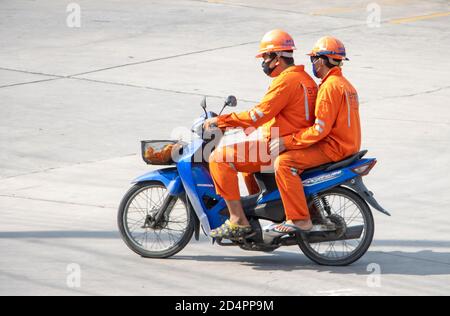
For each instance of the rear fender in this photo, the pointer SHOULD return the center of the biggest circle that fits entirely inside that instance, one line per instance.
(357, 185)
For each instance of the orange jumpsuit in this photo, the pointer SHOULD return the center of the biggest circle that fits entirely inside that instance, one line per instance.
(250, 183)
(287, 106)
(335, 135)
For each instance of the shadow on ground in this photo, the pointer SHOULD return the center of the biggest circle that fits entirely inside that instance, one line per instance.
(421, 263)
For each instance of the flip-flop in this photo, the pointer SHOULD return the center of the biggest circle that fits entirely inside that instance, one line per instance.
(285, 229)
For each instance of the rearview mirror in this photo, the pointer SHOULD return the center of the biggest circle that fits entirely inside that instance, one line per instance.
(231, 101)
(203, 104)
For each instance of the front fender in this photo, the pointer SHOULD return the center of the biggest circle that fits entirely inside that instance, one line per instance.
(169, 177)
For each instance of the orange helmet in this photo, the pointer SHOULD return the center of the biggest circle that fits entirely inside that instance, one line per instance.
(276, 41)
(331, 47)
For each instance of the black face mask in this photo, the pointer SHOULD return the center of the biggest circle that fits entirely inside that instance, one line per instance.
(266, 67)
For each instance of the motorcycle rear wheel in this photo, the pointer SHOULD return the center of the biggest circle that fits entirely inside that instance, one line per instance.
(353, 210)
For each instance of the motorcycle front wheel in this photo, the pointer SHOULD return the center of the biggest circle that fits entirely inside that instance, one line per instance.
(136, 221)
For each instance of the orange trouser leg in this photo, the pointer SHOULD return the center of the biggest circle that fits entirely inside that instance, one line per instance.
(226, 162)
(288, 166)
(250, 182)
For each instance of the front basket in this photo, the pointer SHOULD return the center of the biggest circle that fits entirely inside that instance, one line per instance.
(159, 152)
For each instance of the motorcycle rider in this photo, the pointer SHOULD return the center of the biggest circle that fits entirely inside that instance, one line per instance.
(335, 135)
(287, 108)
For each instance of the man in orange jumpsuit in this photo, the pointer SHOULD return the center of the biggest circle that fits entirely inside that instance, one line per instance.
(287, 107)
(335, 135)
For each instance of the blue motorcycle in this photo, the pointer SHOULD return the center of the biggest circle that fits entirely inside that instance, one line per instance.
(164, 209)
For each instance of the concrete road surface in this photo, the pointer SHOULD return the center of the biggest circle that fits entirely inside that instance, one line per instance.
(76, 101)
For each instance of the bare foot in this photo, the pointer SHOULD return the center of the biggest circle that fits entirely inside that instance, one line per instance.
(237, 214)
(239, 221)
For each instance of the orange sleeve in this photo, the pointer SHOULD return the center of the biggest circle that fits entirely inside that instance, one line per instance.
(272, 104)
(327, 109)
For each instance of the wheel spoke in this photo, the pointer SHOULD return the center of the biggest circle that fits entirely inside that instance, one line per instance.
(167, 233)
(347, 209)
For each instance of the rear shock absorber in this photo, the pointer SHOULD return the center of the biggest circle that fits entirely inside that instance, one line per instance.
(318, 205)
(326, 205)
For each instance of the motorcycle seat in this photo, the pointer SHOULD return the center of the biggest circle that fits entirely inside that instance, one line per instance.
(340, 164)
(267, 182)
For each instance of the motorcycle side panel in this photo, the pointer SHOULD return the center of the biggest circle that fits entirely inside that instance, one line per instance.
(205, 190)
(199, 185)
(272, 211)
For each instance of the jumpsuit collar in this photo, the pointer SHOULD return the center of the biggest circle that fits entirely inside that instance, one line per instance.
(294, 69)
(335, 71)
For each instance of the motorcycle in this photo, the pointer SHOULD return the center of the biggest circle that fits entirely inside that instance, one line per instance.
(164, 209)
